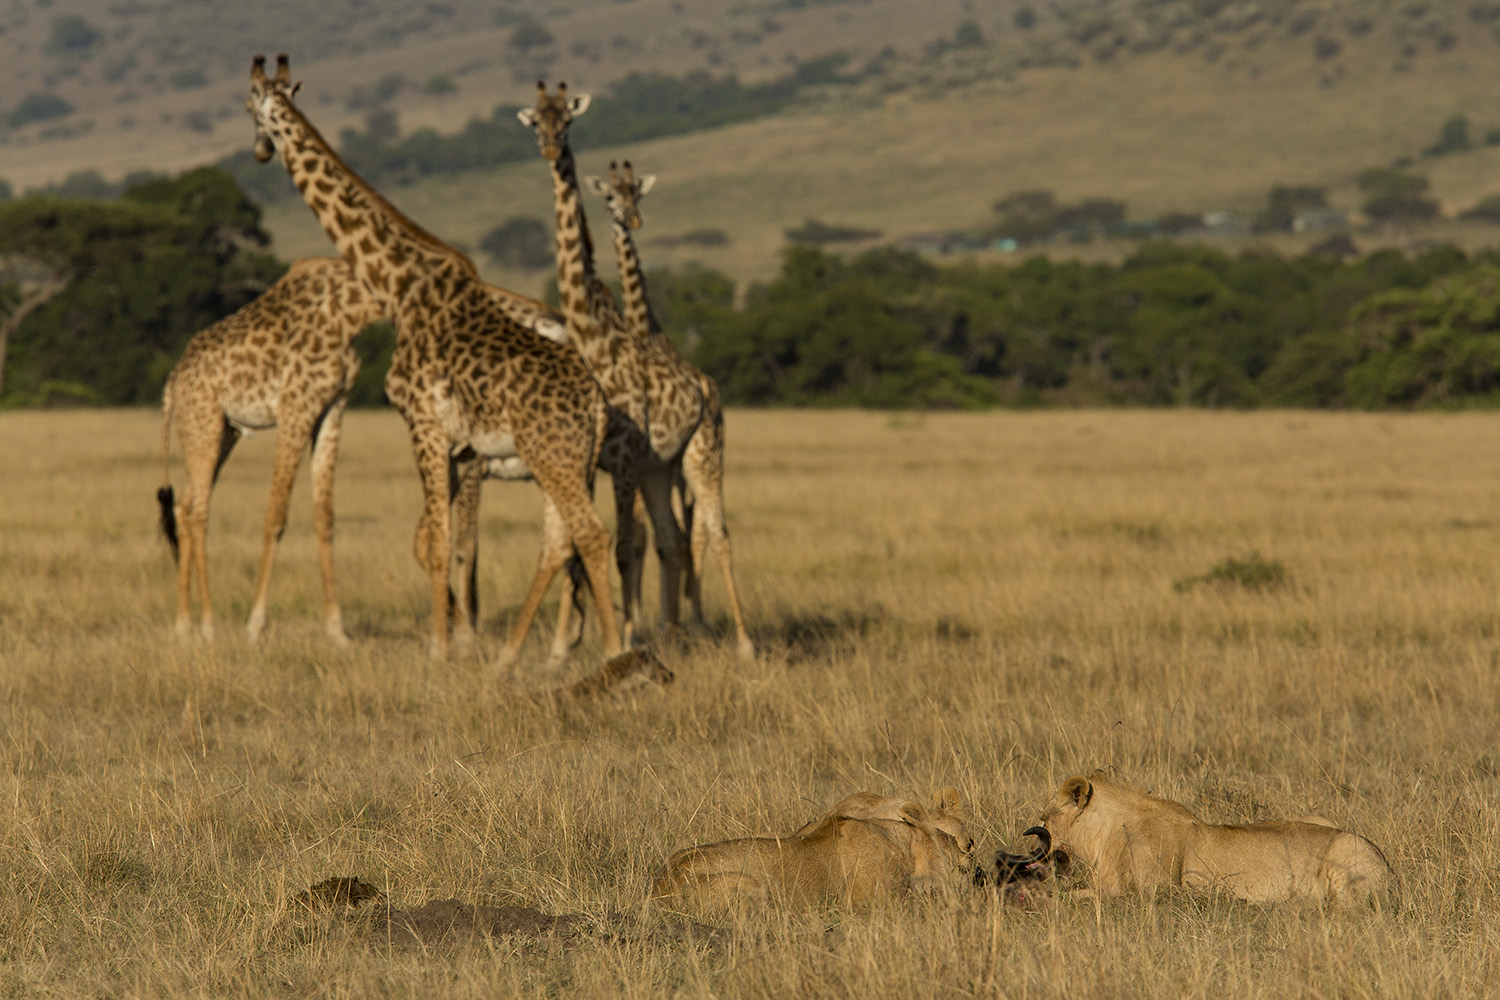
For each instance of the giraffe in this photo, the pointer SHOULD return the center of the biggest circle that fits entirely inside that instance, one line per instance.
(471, 381)
(701, 472)
(285, 360)
(657, 396)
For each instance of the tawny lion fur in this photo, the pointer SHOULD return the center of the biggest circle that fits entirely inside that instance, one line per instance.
(1131, 841)
(866, 847)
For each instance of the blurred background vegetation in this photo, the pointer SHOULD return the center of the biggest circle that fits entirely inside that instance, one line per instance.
(1347, 283)
(124, 282)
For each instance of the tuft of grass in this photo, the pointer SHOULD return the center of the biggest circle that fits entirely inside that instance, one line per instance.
(1250, 573)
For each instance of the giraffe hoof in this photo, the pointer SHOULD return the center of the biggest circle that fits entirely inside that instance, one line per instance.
(207, 630)
(505, 661)
(437, 649)
(746, 650)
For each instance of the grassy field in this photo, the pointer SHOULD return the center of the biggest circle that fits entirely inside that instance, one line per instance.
(988, 601)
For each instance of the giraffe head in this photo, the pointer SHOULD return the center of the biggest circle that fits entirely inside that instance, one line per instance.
(552, 116)
(623, 193)
(266, 95)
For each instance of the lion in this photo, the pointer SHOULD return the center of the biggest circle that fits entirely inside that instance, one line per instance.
(866, 847)
(1130, 841)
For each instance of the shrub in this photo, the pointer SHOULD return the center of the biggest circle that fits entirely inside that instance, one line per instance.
(187, 78)
(71, 34)
(519, 242)
(1395, 195)
(1487, 210)
(38, 107)
(815, 233)
(1453, 137)
(531, 35)
(1249, 573)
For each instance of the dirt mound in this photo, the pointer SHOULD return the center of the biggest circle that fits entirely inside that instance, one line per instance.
(363, 908)
(450, 920)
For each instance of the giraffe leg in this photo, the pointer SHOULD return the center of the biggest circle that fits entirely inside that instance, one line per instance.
(624, 451)
(429, 445)
(325, 453)
(630, 549)
(203, 465)
(703, 468)
(467, 478)
(671, 547)
(634, 531)
(691, 529)
(291, 437)
(590, 539)
(583, 531)
(554, 555)
(630, 559)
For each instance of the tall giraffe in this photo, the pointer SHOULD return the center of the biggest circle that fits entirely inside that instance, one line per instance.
(285, 360)
(470, 380)
(658, 397)
(702, 465)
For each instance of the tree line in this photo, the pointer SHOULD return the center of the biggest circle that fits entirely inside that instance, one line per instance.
(99, 297)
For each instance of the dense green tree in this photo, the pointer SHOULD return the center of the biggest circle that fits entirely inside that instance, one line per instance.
(142, 275)
(1437, 345)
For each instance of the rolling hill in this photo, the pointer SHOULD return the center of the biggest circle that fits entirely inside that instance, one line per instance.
(1164, 104)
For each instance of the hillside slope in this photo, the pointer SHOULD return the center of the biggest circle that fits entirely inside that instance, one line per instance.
(1162, 132)
(1166, 105)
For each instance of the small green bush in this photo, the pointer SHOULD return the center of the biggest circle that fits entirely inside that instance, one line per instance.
(1249, 573)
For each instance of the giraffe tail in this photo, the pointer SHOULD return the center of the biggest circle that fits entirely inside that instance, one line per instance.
(164, 496)
(581, 587)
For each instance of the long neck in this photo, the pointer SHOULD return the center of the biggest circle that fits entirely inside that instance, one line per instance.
(386, 251)
(575, 248)
(594, 323)
(639, 318)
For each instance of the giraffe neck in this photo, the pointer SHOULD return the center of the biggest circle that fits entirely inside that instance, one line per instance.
(639, 318)
(575, 248)
(594, 323)
(387, 252)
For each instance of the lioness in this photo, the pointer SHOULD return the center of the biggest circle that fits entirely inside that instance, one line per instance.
(1130, 841)
(865, 847)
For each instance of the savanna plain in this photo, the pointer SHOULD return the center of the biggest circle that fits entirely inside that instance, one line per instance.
(992, 602)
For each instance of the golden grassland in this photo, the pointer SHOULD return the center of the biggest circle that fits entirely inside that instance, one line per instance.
(985, 601)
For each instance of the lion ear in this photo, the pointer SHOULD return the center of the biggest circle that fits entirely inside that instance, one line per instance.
(912, 813)
(1079, 789)
(946, 798)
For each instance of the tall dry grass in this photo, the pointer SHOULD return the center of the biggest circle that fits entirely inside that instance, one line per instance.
(983, 601)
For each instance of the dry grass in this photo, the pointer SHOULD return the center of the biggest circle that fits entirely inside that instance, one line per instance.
(983, 601)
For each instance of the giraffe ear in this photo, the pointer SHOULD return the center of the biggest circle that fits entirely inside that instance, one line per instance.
(597, 186)
(527, 117)
(579, 105)
(646, 183)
